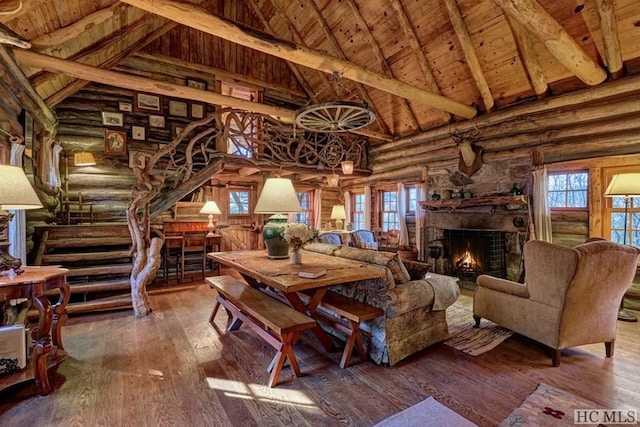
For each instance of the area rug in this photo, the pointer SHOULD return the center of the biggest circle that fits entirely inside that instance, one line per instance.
(550, 407)
(464, 337)
(428, 413)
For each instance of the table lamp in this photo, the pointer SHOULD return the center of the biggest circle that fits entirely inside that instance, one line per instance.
(15, 193)
(211, 209)
(626, 185)
(338, 213)
(277, 197)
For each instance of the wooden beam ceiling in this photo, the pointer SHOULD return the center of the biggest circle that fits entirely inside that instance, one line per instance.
(199, 19)
(609, 29)
(538, 22)
(529, 57)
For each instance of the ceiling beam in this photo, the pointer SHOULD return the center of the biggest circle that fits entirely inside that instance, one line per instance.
(609, 30)
(12, 9)
(538, 22)
(470, 54)
(140, 84)
(7, 36)
(197, 18)
(411, 36)
(529, 57)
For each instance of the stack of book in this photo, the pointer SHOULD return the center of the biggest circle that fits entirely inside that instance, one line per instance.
(312, 272)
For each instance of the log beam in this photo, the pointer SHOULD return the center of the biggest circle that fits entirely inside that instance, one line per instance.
(470, 54)
(609, 30)
(199, 19)
(529, 57)
(139, 84)
(537, 21)
(11, 38)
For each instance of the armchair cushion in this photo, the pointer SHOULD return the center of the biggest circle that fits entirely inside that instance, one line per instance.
(503, 285)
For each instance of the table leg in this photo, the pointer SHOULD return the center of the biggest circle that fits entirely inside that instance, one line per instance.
(310, 310)
(60, 314)
(42, 338)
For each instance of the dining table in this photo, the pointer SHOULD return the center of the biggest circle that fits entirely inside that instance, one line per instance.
(281, 276)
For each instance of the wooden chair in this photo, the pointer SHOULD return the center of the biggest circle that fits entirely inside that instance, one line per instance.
(77, 211)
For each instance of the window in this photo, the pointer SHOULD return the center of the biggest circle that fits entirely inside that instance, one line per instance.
(389, 211)
(357, 211)
(237, 142)
(306, 216)
(568, 190)
(238, 203)
(615, 221)
(412, 200)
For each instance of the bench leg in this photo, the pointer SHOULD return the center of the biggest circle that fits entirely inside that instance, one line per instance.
(354, 340)
(216, 306)
(233, 322)
(285, 352)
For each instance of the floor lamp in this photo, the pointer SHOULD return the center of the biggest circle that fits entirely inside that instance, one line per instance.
(626, 185)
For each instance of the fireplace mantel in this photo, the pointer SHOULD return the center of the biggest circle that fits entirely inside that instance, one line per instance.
(453, 204)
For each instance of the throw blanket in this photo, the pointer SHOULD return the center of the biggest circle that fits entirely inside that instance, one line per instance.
(445, 290)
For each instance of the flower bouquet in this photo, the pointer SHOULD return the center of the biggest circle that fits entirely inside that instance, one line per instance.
(297, 235)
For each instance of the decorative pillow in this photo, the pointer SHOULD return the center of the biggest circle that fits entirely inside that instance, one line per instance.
(370, 245)
(417, 270)
(399, 271)
(321, 248)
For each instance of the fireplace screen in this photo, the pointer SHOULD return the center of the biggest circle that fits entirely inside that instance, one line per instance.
(476, 252)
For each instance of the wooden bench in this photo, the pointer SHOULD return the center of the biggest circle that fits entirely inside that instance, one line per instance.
(354, 312)
(278, 324)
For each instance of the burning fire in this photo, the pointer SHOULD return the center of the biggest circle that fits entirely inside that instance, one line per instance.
(467, 262)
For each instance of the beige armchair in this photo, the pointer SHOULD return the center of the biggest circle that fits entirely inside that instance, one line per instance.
(570, 297)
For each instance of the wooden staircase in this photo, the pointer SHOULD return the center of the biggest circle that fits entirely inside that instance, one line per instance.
(98, 259)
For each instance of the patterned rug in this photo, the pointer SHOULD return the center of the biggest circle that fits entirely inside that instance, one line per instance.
(464, 337)
(550, 407)
(428, 413)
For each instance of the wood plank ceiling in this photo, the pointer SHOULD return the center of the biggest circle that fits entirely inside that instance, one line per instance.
(486, 54)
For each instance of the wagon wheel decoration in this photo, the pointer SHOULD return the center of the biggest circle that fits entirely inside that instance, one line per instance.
(339, 116)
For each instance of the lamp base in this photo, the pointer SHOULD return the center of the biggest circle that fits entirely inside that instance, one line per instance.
(211, 226)
(339, 224)
(8, 262)
(277, 247)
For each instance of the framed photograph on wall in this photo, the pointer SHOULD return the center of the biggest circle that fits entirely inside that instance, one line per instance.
(137, 159)
(125, 106)
(148, 102)
(176, 128)
(112, 119)
(178, 108)
(197, 84)
(156, 121)
(115, 142)
(196, 110)
(138, 133)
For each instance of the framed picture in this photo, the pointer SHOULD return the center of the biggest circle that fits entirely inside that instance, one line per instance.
(196, 110)
(137, 159)
(156, 121)
(178, 108)
(112, 119)
(125, 106)
(176, 128)
(138, 133)
(148, 102)
(197, 84)
(115, 142)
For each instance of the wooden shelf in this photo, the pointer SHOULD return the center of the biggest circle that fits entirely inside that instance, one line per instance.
(55, 357)
(453, 204)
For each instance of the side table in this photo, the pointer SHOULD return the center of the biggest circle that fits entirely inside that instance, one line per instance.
(48, 350)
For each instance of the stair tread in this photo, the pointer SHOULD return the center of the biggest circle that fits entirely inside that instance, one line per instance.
(99, 270)
(100, 285)
(84, 256)
(119, 301)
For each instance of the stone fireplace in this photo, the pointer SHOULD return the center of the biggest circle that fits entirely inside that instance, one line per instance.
(476, 252)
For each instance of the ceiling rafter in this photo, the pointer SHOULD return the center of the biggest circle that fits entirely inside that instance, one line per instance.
(197, 18)
(311, 6)
(405, 24)
(609, 30)
(538, 22)
(64, 34)
(26, 7)
(293, 67)
(529, 58)
(386, 69)
(470, 54)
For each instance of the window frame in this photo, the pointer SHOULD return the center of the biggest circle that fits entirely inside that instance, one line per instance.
(608, 209)
(249, 203)
(566, 191)
(309, 213)
(354, 211)
(383, 212)
(411, 188)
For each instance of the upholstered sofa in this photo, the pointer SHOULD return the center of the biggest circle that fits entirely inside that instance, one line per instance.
(570, 296)
(414, 309)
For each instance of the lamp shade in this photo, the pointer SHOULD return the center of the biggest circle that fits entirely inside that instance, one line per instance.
(210, 208)
(277, 196)
(16, 191)
(338, 212)
(347, 167)
(624, 185)
(332, 180)
(83, 158)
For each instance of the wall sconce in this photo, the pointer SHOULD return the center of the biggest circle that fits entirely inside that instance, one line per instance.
(16, 192)
(338, 213)
(332, 180)
(277, 197)
(84, 158)
(211, 208)
(347, 167)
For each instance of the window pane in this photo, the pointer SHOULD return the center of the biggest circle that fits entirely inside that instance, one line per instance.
(557, 182)
(239, 202)
(617, 220)
(568, 190)
(577, 199)
(578, 181)
(557, 199)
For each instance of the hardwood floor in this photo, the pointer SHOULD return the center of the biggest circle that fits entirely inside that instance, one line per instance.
(173, 368)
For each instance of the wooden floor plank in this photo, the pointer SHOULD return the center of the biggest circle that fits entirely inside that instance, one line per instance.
(173, 368)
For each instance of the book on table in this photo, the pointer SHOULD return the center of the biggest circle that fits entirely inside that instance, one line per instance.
(312, 272)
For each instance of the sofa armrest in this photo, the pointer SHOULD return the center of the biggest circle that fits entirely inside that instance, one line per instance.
(503, 285)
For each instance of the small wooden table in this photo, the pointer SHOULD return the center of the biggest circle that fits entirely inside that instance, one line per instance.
(279, 274)
(33, 283)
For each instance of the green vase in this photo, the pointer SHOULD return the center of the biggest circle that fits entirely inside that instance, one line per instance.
(277, 247)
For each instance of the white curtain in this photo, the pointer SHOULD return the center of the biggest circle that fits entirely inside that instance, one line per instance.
(54, 175)
(403, 238)
(421, 196)
(347, 206)
(317, 209)
(541, 211)
(367, 207)
(18, 225)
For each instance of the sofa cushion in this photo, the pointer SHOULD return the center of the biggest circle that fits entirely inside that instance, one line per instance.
(410, 296)
(417, 270)
(321, 248)
(385, 259)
